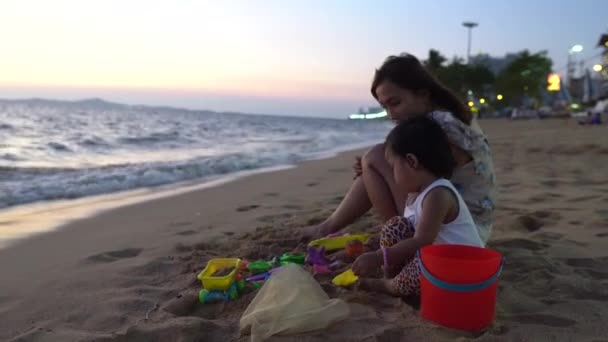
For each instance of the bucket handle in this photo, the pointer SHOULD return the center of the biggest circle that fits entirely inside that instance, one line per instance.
(459, 287)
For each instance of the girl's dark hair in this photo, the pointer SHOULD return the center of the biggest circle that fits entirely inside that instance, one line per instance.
(424, 138)
(407, 72)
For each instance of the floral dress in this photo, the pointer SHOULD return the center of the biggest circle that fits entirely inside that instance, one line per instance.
(475, 180)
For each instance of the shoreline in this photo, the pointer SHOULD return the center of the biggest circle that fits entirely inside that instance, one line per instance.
(28, 220)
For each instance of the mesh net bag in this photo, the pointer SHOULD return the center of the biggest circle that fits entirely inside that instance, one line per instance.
(290, 302)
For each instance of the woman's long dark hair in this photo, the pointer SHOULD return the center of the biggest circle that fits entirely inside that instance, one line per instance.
(407, 72)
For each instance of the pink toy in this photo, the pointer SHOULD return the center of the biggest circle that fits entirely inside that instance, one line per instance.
(321, 269)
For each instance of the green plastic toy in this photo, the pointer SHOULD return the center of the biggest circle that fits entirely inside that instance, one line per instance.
(265, 266)
(292, 259)
(260, 266)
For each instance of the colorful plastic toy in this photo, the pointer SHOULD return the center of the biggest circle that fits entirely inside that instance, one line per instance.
(206, 296)
(354, 248)
(259, 277)
(221, 283)
(265, 266)
(292, 259)
(243, 265)
(260, 266)
(262, 276)
(321, 269)
(338, 242)
(316, 256)
(345, 278)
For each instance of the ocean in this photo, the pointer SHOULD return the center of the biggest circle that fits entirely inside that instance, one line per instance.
(58, 150)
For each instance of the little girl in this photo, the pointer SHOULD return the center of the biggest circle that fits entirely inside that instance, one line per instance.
(435, 213)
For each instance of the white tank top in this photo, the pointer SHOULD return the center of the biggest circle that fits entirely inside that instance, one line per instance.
(462, 230)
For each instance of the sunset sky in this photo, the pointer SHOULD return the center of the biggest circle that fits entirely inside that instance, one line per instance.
(312, 57)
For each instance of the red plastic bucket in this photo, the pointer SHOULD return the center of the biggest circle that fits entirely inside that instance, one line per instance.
(458, 285)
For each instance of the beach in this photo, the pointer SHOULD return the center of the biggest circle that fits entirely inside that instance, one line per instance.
(128, 274)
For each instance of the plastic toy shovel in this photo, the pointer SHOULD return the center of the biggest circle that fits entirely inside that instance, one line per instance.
(345, 278)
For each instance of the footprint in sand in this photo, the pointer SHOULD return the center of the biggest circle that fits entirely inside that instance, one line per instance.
(581, 262)
(203, 246)
(583, 198)
(186, 232)
(274, 218)
(535, 220)
(549, 183)
(291, 206)
(509, 185)
(603, 213)
(519, 243)
(311, 184)
(534, 150)
(595, 269)
(549, 236)
(528, 223)
(550, 301)
(338, 170)
(541, 319)
(600, 263)
(271, 194)
(543, 197)
(596, 275)
(180, 224)
(115, 255)
(578, 293)
(247, 207)
(182, 248)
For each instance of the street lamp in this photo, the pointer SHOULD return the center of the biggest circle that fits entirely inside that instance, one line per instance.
(573, 50)
(469, 25)
(598, 68)
(576, 48)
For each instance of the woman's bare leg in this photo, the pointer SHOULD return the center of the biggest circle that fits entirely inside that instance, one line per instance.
(376, 187)
(380, 184)
(353, 205)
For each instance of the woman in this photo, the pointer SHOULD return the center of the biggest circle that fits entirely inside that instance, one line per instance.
(406, 89)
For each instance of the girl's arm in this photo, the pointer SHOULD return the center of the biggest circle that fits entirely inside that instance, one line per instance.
(436, 206)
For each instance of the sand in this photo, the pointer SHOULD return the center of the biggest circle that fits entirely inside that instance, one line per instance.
(129, 274)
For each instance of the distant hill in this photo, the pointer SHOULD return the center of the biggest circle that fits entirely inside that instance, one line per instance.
(99, 104)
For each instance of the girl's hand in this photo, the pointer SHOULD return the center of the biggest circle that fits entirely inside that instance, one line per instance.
(367, 264)
(357, 167)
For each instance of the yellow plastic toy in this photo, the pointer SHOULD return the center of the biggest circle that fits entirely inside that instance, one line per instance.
(345, 278)
(338, 242)
(222, 283)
